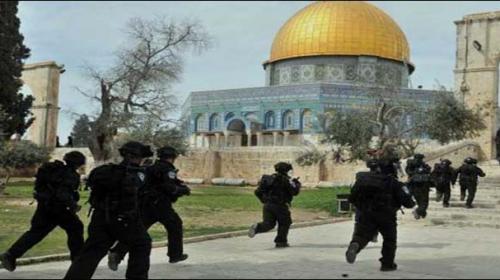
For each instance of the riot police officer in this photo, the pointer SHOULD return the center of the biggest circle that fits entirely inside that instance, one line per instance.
(276, 192)
(420, 183)
(468, 175)
(374, 166)
(444, 176)
(56, 193)
(115, 205)
(161, 190)
(377, 196)
(415, 163)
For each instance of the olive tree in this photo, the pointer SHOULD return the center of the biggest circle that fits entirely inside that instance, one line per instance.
(19, 155)
(395, 123)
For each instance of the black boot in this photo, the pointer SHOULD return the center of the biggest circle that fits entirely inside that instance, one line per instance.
(282, 245)
(113, 261)
(352, 252)
(181, 258)
(390, 267)
(8, 262)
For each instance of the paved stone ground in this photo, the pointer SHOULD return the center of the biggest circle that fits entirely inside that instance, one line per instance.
(318, 252)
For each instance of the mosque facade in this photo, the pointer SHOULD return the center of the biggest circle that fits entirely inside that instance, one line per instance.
(329, 55)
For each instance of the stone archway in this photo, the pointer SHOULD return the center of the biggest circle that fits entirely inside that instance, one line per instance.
(236, 129)
(43, 80)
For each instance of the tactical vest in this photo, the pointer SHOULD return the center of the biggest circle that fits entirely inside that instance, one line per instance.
(114, 189)
(375, 193)
(442, 174)
(274, 189)
(56, 184)
(468, 173)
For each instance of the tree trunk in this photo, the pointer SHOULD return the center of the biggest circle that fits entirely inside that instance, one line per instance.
(102, 131)
(3, 184)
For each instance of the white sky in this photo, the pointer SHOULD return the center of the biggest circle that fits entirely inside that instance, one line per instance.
(75, 33)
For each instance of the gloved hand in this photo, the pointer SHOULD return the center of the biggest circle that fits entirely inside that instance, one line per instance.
(183, 190)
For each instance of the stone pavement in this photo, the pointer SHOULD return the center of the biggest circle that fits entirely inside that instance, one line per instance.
(318, 252)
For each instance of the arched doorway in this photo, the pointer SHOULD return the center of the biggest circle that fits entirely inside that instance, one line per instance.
(237, 128)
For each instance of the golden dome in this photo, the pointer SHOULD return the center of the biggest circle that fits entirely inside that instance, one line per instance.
(340, 28)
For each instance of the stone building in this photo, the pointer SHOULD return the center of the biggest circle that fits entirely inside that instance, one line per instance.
(328, 55)
(477, 76)
(42, 79)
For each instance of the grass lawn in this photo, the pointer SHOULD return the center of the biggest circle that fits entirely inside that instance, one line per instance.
(208, 210)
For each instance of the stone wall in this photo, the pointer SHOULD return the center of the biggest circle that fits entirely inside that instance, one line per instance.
(476, 72)
(251, 163)
(455, 152)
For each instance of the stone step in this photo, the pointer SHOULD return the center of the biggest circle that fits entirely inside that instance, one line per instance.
(483, 192)
(461, 209)
(495, 225)
(477, 199)
(476, 217)
(477, 204)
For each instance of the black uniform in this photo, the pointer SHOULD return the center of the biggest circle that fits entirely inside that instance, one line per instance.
(468, 177)
(56, 192)
(276, 192)
(419, 182)
(161, 190)
(114, 199)
(377, 198)
(443, 176)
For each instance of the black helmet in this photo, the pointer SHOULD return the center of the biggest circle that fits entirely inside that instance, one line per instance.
(283, 167)
(167, 152)
(74, 158)
(419, 156)
(446, 162)
(135, 149)
(372, 163)
(470, 160)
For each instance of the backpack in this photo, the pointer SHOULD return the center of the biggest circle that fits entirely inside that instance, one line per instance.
(48, 181)
(264, 188)
(100, 180)
(375, 193)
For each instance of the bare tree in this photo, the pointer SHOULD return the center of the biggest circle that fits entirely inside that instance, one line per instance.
(140, 80)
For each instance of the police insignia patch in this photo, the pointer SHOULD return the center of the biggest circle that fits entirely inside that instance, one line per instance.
(142, 176)
(172, 175)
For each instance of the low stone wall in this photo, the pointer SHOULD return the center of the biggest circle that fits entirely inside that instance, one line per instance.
(250, 163)
(455, 152)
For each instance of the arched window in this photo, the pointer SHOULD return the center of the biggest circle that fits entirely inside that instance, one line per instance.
(200, 123)
(288, 120)
(270, 120)
(307, 119)
(229, 116)
(215, 123)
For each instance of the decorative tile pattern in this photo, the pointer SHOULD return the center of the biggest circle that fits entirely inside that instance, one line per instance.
(295, 78)
(335, 73)
(307, 73)
(351, 72)
(366, 72)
